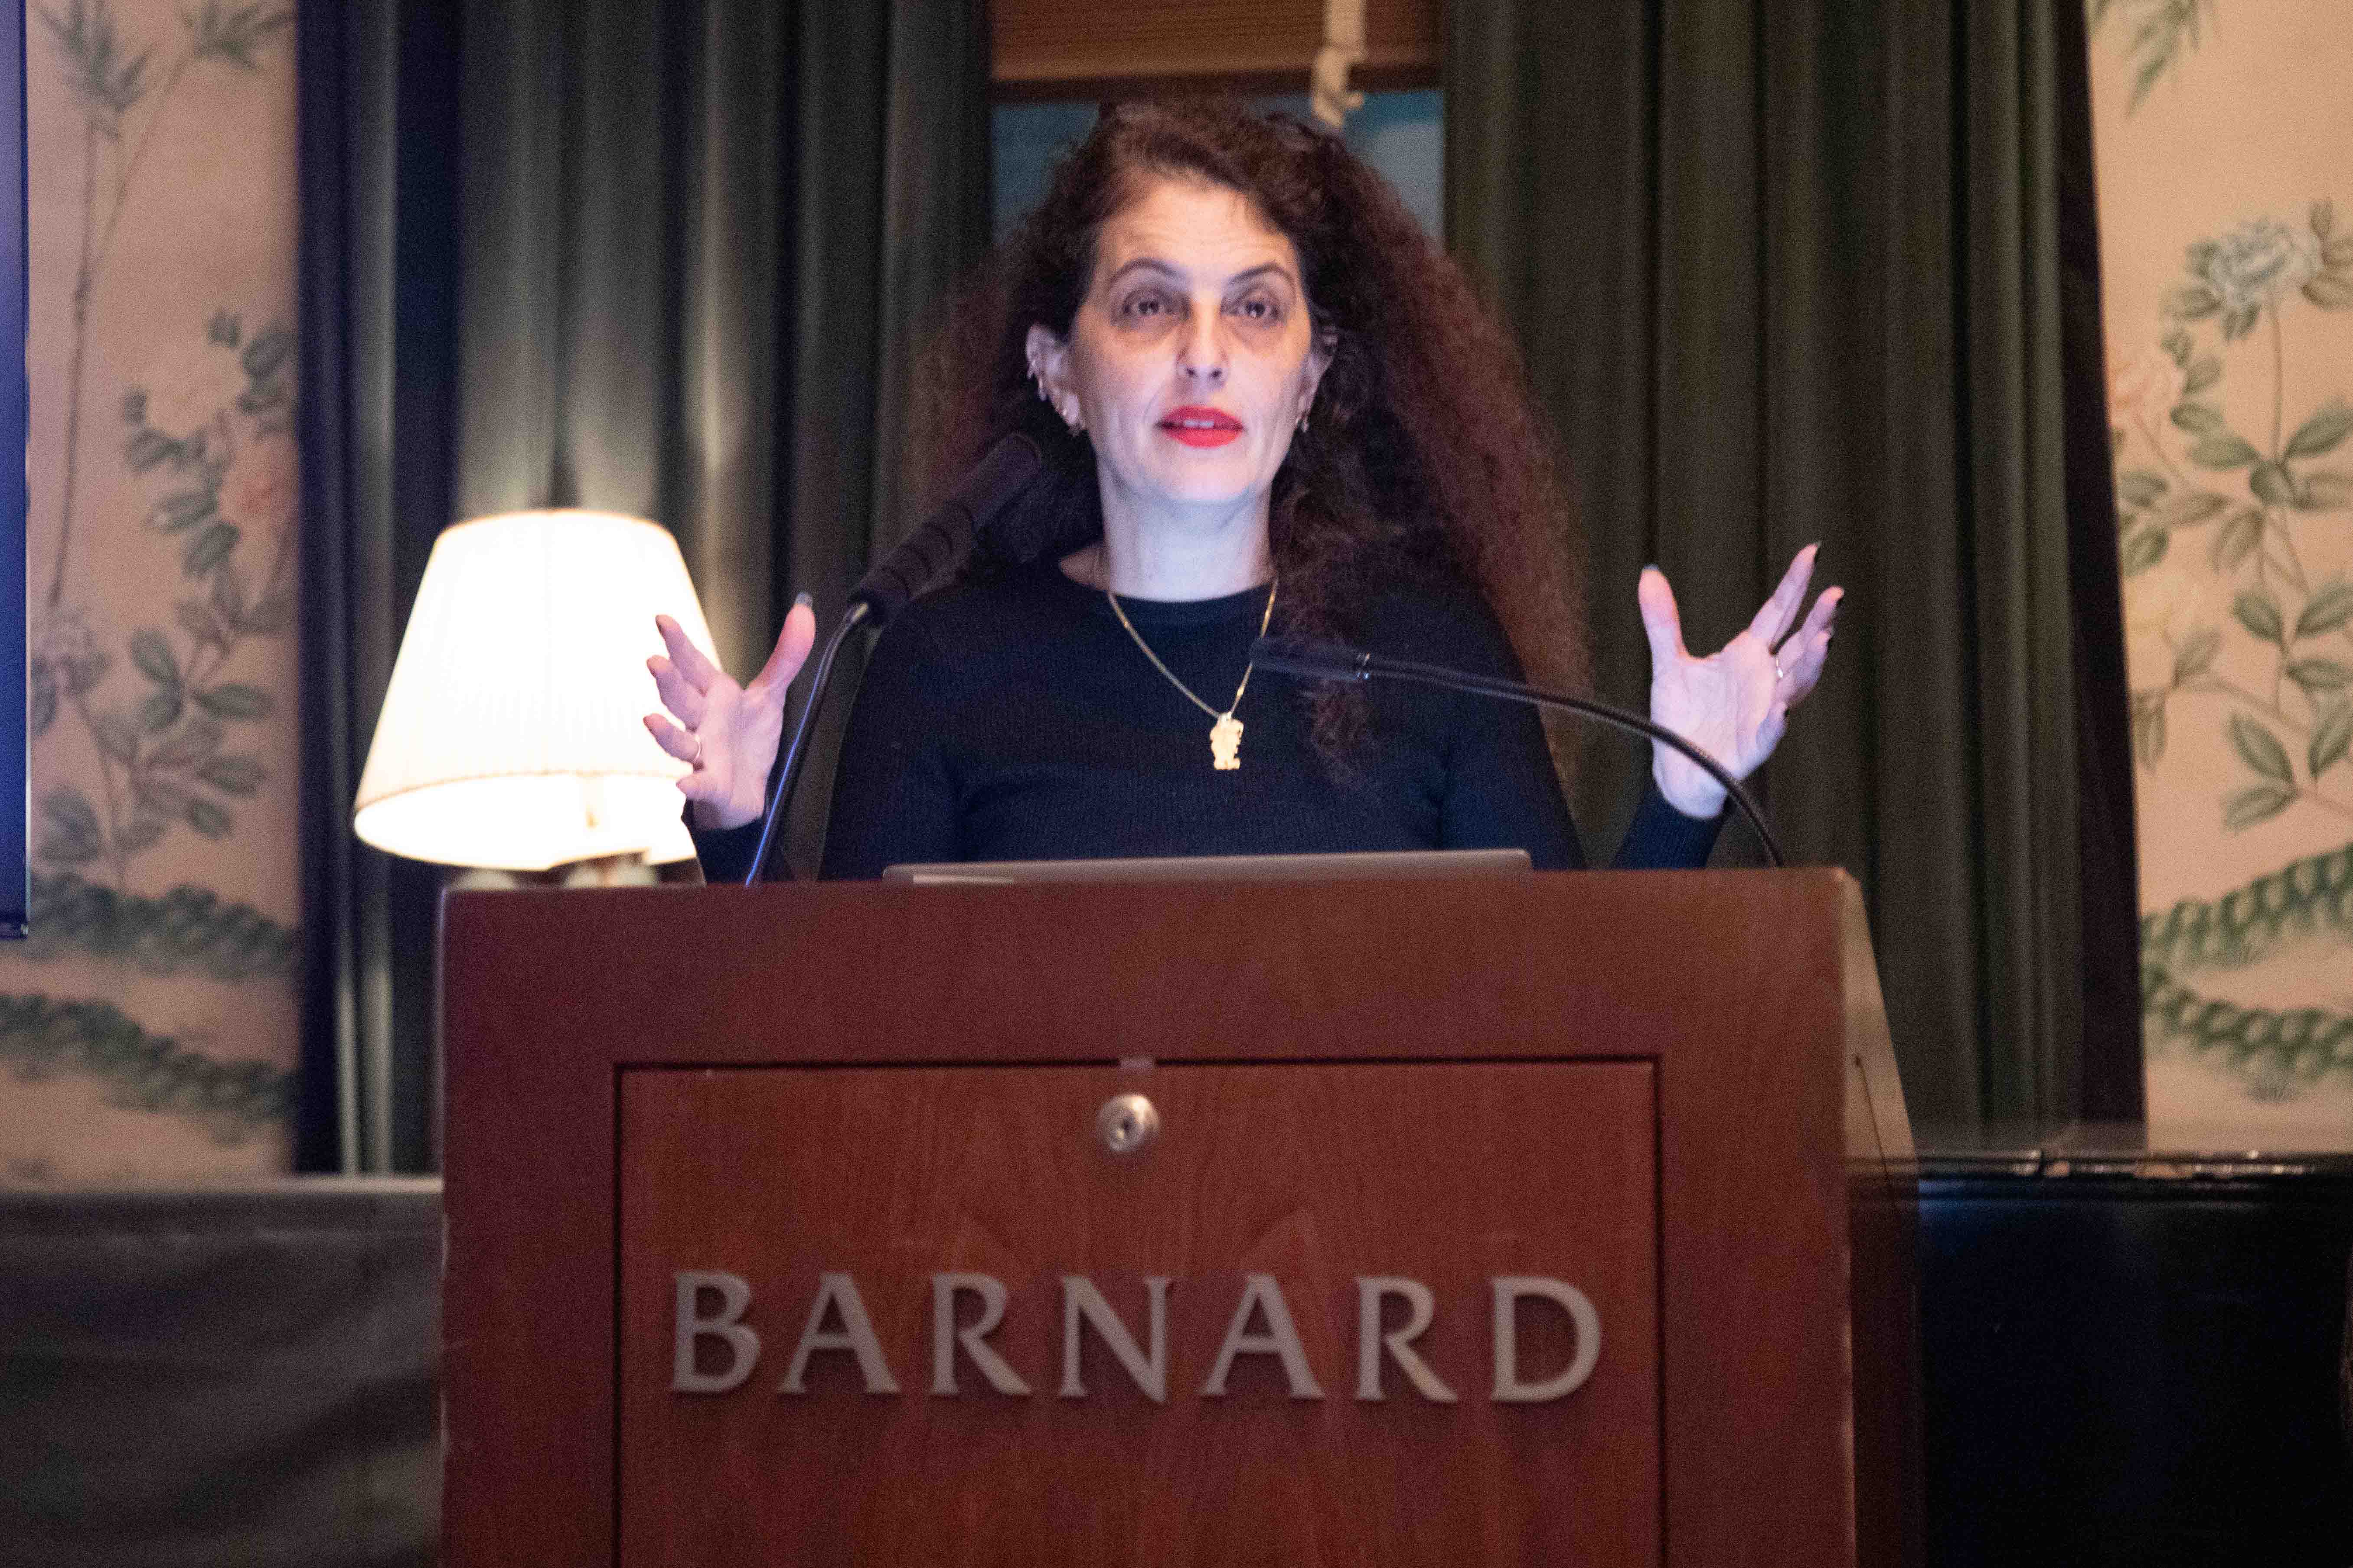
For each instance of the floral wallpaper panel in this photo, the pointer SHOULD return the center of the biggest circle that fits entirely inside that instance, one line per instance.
(148, 1028)
(2226, 207)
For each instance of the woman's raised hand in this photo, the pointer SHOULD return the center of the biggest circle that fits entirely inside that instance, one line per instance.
(1735, 703)
(727, 733)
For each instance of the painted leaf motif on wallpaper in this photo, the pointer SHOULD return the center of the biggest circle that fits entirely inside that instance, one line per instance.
(70, 830)
(2317, 674)
(2148, 729)
(233, 33)
(235, 700)
(2224, 451)
(182, 510)
(154, 655)
(2273, 484)
(2190, 511)
(209, 549)
(2322, 432)
(188, 747)
(160, 710)
(106, 78)
(2330, 738)
(2327, 610)
(2195, 656)
(115, 738)
(2238, 539)
(2157, 33)
(2260, 804)
(2259, 749)
(2257, 613)
(235, 775)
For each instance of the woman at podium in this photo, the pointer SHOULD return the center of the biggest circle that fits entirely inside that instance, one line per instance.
(1265, 402)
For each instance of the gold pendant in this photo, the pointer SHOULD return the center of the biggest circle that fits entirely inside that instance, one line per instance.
(1226, 743)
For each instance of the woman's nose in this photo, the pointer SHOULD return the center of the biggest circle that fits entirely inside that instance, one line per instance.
(1202, 351)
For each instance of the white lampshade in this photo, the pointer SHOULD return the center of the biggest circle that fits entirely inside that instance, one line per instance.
(510, 735)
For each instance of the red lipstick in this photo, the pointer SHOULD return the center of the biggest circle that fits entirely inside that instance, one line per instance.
(1198, 427)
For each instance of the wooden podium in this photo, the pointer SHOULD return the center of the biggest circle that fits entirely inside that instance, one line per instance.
(1549, 1219)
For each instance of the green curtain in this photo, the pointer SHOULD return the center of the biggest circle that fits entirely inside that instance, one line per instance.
(662, 257)
(1795, 270)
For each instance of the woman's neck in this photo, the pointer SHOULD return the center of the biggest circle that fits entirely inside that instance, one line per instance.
(1191, 556)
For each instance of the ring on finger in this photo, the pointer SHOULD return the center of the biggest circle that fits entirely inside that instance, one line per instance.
(698, 749)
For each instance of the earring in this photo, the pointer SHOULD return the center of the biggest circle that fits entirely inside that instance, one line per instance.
(1303, 422)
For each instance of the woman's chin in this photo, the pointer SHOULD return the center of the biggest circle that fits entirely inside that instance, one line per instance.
(1201, 482)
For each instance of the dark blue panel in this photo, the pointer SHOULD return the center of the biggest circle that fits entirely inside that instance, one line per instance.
(14, 401)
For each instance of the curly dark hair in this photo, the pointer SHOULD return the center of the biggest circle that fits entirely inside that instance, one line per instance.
(1425, 456)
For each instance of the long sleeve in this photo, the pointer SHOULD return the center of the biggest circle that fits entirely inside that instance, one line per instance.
(892, 802)
(725, 852)
(1501, 787)
(1662, 838)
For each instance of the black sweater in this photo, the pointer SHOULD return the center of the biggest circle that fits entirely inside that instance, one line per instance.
(1014, 718)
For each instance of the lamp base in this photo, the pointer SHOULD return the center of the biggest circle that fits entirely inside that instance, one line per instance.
(599, 871)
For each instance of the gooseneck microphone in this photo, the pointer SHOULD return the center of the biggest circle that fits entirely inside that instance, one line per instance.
(1334, 662)
(929, 556)
(934, 550)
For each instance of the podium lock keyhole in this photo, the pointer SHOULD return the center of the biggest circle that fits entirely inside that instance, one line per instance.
(1126, 1123)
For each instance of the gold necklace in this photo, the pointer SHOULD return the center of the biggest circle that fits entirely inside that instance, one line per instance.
(1226, 731)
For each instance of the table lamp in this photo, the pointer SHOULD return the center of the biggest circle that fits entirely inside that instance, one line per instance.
(511, 736)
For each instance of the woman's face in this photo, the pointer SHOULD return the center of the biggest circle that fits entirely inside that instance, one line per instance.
(1192, 358)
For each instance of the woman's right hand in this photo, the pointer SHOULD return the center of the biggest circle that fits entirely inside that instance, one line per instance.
(727, 733)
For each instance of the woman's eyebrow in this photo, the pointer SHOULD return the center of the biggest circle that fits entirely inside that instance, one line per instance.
(1143, 264)
(1264, 270)
(1167, 269)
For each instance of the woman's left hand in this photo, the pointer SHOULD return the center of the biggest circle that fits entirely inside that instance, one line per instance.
(1735, 703)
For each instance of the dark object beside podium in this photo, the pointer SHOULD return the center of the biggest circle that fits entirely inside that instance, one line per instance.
(2132, 1349)
(719, 1251)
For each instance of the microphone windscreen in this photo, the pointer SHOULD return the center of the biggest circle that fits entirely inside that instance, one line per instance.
(1003, 472)
(1304, 657)
(936, 551)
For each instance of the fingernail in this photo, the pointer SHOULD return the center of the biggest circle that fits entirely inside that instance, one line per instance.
(803, 600)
